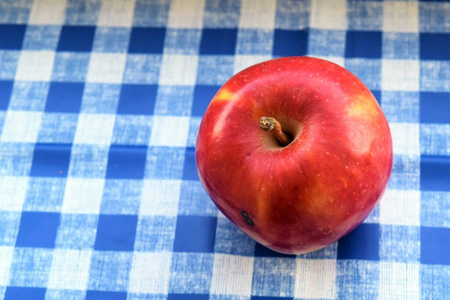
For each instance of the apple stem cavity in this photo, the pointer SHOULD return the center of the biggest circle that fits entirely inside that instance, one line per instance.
(271, 124)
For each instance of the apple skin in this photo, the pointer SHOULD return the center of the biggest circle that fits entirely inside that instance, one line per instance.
(308, 194)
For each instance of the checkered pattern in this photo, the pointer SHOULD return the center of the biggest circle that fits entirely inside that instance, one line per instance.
(100, 103)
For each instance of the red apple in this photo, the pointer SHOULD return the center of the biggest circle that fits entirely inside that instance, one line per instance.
(305, 195)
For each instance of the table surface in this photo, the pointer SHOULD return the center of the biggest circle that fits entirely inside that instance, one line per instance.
(100, 103)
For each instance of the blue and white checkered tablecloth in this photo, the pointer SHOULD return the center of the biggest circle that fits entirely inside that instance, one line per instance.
(100, 103)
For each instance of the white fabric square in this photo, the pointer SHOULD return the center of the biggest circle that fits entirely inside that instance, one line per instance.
(329, 14)
(150, 273)
(258, 14)
(95, 129)
(242, 62)
(21, 126)
(315, 278)
(232, 275)
(186, 14)
(400, 75)
(35, 65)
(116, 13)
(83, 196)
(160, 197)
(400, 207)
(401, 16)
(169, 131)
(48, 12)
(178, 70)
(70, 269)
(399, 280)
(106, 67)
(6, 254)
(12, 193)
(405, 138)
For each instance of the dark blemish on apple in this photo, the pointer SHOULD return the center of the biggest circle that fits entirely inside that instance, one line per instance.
(247, 218)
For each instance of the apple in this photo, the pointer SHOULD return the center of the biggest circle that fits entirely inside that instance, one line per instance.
(295, 151)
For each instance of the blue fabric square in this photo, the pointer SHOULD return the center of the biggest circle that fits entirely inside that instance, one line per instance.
(221, 14)
(44, 194)
(203, 95)
(100, 98)
(142, 68)
(29, 95)
(405, 173)
(24, 293)
(155, 233)
(88, 161)
(70, 66)
(218, 41)
(146, 40)
(435, 46)
(254, 41)
(187, 297)
(111, 39)
(194, 200)
(30, 267)
(361, 243)
(151, 13)
(137, 99)
(195, 234)
(16, 159)
(364, 44)
(57, 128)
(5, 93)
(100, 295)
(290, 42)
(174, 100)
(292, 14)
(435, 173)
(214, 69)
(435, 209)
(357, 279)
(8, 61)
(76, 38)
(279, 281)
(9, 226)
(164, 163)
(41, 37)
(190, 168)
(110, 271)
(377, 95)
(182, 41)
(435, 245)
(121, 197)
(400, 243)
(64, 97)
(50, 160)
(116, 232)
(37, 229)
(132, 130)
(367, 70)
(191, 273)
(365, 15)
(82, 12)
(11, 36)
(434, 107)
(126, 162)
(15, 12)
(397, 45)
(326, 42)
(261, 251)
(76, 231)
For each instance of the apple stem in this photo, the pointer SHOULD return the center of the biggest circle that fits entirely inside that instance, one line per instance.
(271, 124)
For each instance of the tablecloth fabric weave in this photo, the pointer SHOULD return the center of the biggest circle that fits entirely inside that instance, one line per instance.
(100, 103)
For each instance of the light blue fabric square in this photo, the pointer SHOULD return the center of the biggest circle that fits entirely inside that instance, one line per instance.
(221, 14)
(195, 201)
(121, 196)
(191, 273)
(15, 12)
(30, 267)
(365, 15)
(88, 161)
(29, 95)
(214, 69)
(82, 12)
(405, 173)
(155, 233)
(367, 70)
(324, 42)
(70, 66)
(111, 39)
(435, 76)
(398, 45)
(274, 276)
(254, 41)
(174, 100)
(357, 279)
(43, 37)
(76, 231)
(407, 102)
(164, 163)
(400, 243)
(182, 41)
(16, 159)
(292, 14)
(142, 69)
(8, 61)
(231, 240)
(57, 128)
(435, 139)
(100, 98)
(44, 194)
(132, 130)
(9, 227)
(110, 270)
(151, 13)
